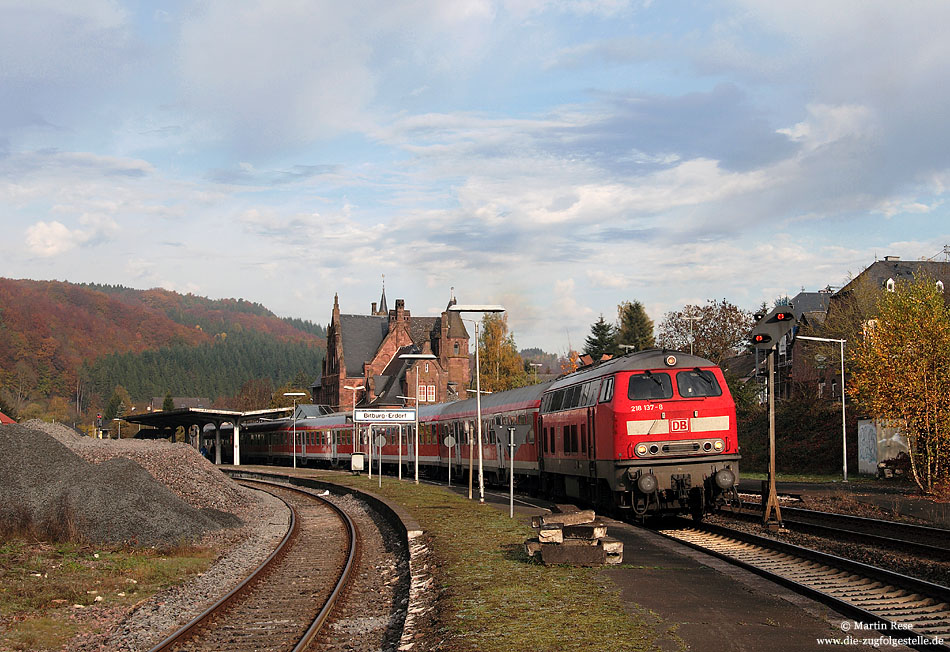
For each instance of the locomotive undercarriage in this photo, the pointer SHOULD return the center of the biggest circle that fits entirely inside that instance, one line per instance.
(700, 487)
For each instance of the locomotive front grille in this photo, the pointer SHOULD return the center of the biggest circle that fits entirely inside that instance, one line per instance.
(680, 448)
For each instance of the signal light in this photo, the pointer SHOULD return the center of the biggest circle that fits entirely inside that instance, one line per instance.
(784, 316)
(761, 338)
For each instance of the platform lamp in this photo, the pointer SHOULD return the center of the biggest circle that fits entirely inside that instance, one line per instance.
(478, 389)
(293, 451)
(356, 432)
(691, 320)
(119, 425)
(417, 356)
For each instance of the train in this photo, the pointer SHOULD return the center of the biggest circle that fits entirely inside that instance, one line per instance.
(647, 433)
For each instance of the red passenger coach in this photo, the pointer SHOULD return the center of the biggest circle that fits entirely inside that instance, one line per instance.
(653, 431)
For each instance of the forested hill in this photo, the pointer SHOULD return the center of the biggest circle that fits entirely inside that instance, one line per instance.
(59, 338)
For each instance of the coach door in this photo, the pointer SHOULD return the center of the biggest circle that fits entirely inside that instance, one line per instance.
(592, 440)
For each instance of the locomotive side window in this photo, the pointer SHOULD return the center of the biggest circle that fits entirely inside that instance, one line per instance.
(607, 390)
(697, 383)
(649, 386)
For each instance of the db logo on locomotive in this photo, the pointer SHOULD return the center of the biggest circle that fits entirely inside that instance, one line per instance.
(679, 425)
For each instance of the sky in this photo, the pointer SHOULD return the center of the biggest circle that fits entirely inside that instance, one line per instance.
(555, 157)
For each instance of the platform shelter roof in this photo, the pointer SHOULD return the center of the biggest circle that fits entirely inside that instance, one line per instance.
(187, 417)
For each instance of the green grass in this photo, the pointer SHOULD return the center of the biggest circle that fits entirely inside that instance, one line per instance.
(496, 598)
(41, 584)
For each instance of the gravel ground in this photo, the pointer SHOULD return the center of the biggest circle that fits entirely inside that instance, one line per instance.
(374, 611)
(53, 492)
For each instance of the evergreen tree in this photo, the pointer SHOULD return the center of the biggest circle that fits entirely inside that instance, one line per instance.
(635, 328)
(601, 340)
(168, 403)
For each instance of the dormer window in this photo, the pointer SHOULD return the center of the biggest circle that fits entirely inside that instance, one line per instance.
(457, 345)
(889, 285)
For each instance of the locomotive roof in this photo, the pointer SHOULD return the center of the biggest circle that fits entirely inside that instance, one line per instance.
(641, 360)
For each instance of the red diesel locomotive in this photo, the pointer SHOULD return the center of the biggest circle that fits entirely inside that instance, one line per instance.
(649, 432)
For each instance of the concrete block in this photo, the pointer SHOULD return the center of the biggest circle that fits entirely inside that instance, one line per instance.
(550, 534)
(532, 546)
(611, 545)
(570, 518)
(575, 553)
(593, 530)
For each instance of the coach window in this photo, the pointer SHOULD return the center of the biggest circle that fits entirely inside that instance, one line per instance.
(583, 437)
(649, 386)
(544, 439)
(607, 390)
(697, 383)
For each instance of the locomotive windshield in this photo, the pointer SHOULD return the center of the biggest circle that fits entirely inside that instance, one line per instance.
(649, 386)
(697, 383)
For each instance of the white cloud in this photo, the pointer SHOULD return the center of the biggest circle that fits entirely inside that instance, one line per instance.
(53, 238)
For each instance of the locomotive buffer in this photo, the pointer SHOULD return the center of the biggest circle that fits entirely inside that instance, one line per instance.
(766, 334)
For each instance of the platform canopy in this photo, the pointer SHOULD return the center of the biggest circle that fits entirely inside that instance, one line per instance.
(168, 420)
(187, 417)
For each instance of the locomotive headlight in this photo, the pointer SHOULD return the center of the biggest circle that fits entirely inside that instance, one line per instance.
(646, 483)
(725, 478)
(718, 444)
(641, 450)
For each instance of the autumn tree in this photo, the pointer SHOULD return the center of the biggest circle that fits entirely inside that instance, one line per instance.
(279, 400)
(501, 366)
(255, 394)
(719, 330)
(601, 341)
(902, 373)
(634, 327)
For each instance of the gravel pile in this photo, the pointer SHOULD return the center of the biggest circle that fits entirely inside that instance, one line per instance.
(51, 491)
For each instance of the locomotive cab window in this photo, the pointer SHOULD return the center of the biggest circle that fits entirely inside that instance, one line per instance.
(697, 383)
(649, 386)
(607, 390)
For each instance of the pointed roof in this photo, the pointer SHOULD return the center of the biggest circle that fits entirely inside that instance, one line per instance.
(383, 309)
(4, 419)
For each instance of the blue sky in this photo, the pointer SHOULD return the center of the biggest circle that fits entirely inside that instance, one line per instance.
(555, 157)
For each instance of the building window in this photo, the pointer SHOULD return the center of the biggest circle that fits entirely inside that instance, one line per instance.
(427, 367)
(430, 393)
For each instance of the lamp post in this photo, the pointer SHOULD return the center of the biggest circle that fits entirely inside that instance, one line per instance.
(535, 365)
(356, 434)
(119, 425)
(416, 356)
(691, 320)
(844, 439)
(478, 390)
(293, 448)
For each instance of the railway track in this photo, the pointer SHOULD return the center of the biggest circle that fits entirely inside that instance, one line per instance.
(284, 603)
(897, 605)
(921, 540)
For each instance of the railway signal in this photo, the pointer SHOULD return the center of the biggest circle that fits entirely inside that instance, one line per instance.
(770, 328)
(768, 331)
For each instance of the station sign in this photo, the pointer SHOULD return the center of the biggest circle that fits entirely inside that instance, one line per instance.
(384, 416)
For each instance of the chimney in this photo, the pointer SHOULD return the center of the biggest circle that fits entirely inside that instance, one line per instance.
(373, 309)
(891, 259)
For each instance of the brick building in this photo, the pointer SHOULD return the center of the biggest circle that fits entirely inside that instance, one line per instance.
(364, 350)
(817, 371)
